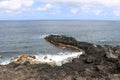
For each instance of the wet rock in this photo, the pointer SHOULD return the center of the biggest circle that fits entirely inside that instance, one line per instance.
(63, 41)
(69, 42)
(100, 62)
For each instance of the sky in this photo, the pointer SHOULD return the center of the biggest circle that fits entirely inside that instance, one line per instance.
(59, 9)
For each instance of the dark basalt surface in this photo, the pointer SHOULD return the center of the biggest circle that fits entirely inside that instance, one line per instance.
(100, 62)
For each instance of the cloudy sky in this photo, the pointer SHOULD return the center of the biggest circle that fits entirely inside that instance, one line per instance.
(59, 9)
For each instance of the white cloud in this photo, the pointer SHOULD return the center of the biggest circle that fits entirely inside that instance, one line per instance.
(97, 12)
(116, 12)
(74, 10)
(44, 8)
(15, 4)
(96, 7)
(88, 6)
(108, 3)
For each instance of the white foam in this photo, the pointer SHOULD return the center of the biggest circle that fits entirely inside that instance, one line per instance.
(102, 40)
(39, 36)
(42, 36)
(5, 62)
(60, 58)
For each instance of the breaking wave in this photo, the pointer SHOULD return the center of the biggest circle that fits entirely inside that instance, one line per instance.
(58, 59)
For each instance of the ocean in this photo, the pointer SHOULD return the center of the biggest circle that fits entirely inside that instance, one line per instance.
(27, 37)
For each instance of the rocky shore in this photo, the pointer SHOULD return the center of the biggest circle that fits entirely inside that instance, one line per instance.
(99, 62)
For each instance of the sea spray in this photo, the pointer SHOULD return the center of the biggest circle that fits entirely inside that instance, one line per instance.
(60, 58)
(53, 60)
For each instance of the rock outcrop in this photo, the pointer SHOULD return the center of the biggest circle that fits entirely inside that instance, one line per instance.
(63, 41)
(69, 42)
(100, 62)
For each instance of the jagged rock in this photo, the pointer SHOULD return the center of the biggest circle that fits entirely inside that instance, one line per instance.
(63, 41)
(69, 42)
(100, 62)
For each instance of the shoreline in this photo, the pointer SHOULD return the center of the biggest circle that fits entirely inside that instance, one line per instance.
(98, 62)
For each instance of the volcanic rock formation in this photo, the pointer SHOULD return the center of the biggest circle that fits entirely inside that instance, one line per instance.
(100, 62)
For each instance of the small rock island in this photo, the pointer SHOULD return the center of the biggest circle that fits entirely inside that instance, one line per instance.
(99, 62)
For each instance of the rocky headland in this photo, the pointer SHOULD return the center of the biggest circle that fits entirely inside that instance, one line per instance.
(99, 62)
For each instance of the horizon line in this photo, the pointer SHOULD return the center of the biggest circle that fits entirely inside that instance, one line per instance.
(57, 20)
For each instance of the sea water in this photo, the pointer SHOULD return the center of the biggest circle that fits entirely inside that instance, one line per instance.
(27, 37)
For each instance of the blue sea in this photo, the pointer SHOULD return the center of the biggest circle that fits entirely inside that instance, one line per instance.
(27, 37)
